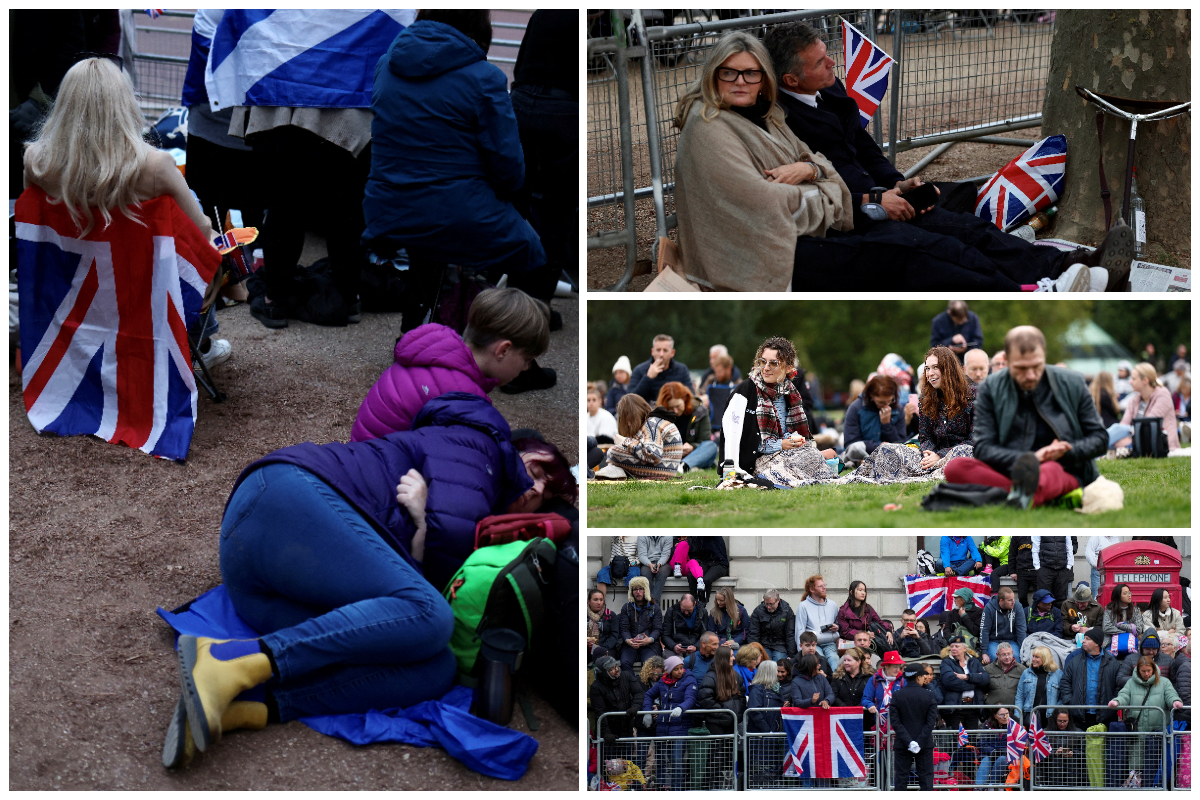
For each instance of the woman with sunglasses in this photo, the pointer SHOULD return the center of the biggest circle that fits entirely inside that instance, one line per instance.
(765, 427)
(746, 187)
(947, 413)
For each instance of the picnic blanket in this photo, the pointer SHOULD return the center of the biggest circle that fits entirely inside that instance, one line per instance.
(483, 746)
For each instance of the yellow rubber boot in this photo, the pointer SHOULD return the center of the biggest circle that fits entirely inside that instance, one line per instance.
(212, 673)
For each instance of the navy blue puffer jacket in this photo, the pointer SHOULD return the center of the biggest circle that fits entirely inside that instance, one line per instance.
(460, 445)
(445, 154)
(682, 695)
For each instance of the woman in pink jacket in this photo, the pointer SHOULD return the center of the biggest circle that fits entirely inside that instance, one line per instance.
(506, 330)
(1149, 399)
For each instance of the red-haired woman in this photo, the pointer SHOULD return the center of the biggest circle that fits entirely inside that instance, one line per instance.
(947, 417)
(691, 418)
(765, 427)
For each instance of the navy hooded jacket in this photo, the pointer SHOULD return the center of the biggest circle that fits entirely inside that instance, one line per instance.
(460, 445)
(863, 425)
(445, 154)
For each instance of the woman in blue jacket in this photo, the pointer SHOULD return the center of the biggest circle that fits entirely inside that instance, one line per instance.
(1038, 685)
(873, 418)
(446, 157)
(675, 692)
(340, 568)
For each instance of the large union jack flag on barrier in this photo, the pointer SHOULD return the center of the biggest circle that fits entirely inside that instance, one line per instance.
(1027, 184)
(104, 320)
(824, 743)
(867, 69)
(929, 596)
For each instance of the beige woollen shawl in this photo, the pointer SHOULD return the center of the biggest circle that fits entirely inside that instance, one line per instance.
(737, 230)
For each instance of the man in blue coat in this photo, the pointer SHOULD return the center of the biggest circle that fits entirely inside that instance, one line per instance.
(960, 555)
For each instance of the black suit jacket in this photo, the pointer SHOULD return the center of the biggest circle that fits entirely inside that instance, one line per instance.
(913, 715)
(836, 132)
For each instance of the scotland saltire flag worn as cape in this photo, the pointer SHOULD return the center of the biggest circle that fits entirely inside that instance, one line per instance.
(299, 57)
(104, 321)
(824, 743)
(1030, 182)
(933, 595)
(483, 746)
(867, 69)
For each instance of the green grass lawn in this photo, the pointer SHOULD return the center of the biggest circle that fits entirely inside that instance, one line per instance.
(1157, 494)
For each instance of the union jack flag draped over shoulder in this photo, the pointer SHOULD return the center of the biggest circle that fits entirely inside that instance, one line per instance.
(1027, 184)
(824, 743)
(932, 595)
(867, 69)
(104, 321)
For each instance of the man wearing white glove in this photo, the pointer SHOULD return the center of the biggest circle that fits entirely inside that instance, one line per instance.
(913, 714)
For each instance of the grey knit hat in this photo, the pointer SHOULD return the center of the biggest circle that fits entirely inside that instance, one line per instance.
(606, 663)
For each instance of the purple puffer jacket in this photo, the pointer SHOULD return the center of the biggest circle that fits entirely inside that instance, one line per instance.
(431, 360)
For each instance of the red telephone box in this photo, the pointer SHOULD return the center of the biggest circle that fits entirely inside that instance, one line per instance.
(1143, 566)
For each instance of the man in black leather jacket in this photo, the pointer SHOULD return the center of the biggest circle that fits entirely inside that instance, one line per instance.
(1037, 431)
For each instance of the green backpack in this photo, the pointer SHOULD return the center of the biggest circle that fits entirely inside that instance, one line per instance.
(499, 586)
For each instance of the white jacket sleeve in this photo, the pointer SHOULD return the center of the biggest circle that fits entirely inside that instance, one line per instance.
(731, 424)
(1092, 551)
(1037, 545)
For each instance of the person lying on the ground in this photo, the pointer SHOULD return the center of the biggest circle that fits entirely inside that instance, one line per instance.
(947, 414)
(746, 187)
(335, 553)
(913, 248)
(691, 418)
(652, 447)
(506, 330)
(1036, 432)
(661, 368)
(1150, 399)
(765, 429)
(90, 156)
(874, 417)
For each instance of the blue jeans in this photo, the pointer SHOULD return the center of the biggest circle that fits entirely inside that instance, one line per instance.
(1097, 578)
(350, 624)
(1116, 432)
(995, 645)
(829, 650)
(605, 574)
(703, 457)
(997, 766)
(776, 655)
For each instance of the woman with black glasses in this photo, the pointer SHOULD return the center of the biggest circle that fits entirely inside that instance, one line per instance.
(765, 427)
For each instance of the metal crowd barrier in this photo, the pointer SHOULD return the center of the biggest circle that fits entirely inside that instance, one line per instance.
(960, 75)
(763, 754)
(955, 766)
(1108, 760)
(1181, 768)
(672, 763)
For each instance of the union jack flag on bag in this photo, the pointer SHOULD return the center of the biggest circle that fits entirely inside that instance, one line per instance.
(932, 595)
(1027, 184)
(1037, 740)
(1016, 740)
(824, 743)
(867, 69)
(104, 319)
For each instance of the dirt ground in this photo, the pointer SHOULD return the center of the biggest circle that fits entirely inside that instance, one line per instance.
(100, 535)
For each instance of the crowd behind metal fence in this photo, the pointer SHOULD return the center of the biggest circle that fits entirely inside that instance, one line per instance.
(960, 76)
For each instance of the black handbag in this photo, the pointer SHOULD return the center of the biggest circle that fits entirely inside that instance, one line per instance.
(619, 567)
(1149, 438)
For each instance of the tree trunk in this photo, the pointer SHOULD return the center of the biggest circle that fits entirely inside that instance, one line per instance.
(1142, 55)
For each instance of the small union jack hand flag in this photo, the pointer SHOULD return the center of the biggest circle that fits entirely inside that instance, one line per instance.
(962, 735)
(867, 69)
(155, 13)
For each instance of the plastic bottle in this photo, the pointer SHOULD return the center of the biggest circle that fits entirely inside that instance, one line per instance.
(1042, 218)
(1138, 207)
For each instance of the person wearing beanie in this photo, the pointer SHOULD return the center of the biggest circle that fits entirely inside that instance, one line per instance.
(641, 625)
(913, 716)
(619, 691)
(1043, 615)
(675, 692)
(620, 384)
(964, 613)
(1080, 612)
(1149, 646)
(1089, 680)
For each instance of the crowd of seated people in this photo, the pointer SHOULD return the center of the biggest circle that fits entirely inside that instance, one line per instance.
(1005, 658)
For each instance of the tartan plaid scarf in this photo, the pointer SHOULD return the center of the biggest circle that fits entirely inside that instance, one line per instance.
(768, 419)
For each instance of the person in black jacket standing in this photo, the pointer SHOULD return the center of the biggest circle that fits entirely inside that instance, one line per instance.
(641, 625)
(683, 625)
(773, 625)
(1054, 560)
(951, 247)
(913, 714)
(1020, 567)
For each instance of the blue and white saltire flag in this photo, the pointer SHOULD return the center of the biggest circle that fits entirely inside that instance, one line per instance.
(867, 69)
(299, 57)
(1016, 740)
(824, 743)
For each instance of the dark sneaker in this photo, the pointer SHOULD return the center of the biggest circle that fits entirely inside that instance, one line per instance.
(271, 316)
(531, 380)
(1025, 474)
(355, 315)
(1116, 254)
